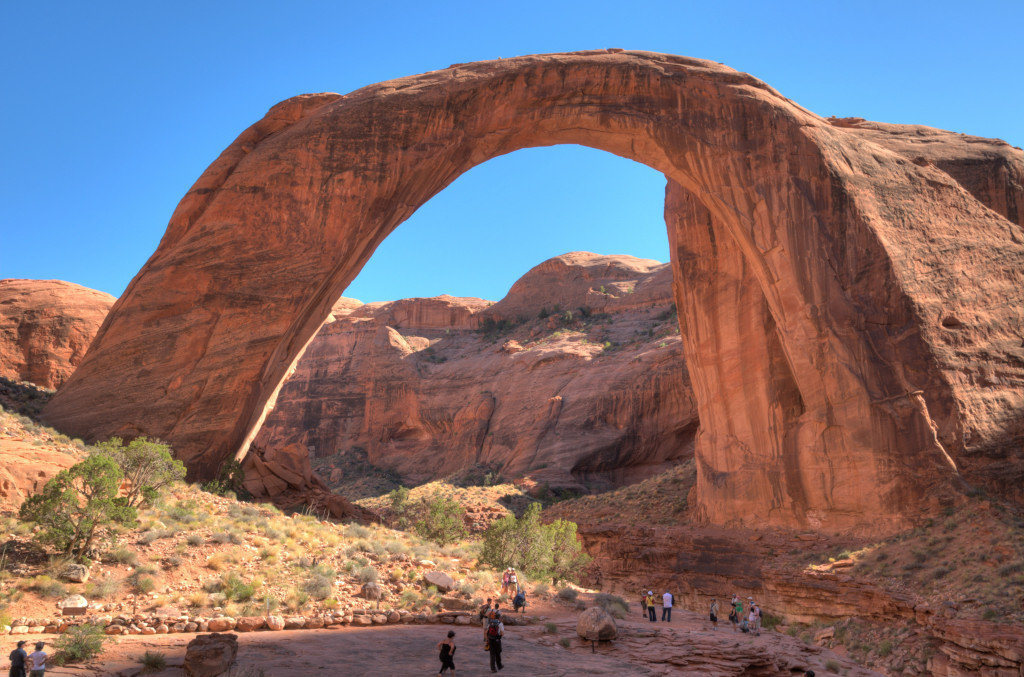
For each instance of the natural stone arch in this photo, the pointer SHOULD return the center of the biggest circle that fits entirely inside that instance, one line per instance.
(813, 269)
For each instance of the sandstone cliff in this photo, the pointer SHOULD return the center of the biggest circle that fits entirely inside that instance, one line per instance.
(45, 328)
(575, 378)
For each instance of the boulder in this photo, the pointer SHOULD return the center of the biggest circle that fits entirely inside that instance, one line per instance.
(371, 591)
(275, 623)
(249, 623)
(221, 624)
(210, 655)
(596, 624)
(76, 573)
(73, 605)
(440, 580)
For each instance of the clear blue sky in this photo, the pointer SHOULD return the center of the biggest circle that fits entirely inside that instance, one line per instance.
(110, 111)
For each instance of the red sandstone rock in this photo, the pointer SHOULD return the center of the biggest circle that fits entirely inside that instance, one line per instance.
(46, 327)
(852, 317)
(428, 396)
(210, 655)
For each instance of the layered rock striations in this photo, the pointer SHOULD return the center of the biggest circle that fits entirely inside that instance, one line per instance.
(851, 296)
(575, 378)
(46, 327)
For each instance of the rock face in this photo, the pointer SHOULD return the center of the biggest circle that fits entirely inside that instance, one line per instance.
(596, 624)
(26, 468)
(284, 476)
(852, 305)
(46, 327)
(428, 387)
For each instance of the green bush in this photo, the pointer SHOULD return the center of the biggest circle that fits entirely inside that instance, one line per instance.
(367, 574)
(229, 482)
(79, 506)
(147, 465)
(154, 661)
(103, 588)
(442, 520)
(551, 550)
(45, 586)
(80, 643)
(142, 585)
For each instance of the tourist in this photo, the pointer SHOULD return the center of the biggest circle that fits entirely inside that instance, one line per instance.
(752, 619)
(757, 620)
(666, 606)
(504, 580)
(519, 602)
(513, 581)
(495, 631)
(737, 612)
(651, 613)
(714, 614)
(491, 615)
(37, 661)
(18, 658)
(447, 655)
(643, 604)
(485, 609)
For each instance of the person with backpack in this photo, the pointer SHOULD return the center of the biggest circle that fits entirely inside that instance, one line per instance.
(651, 614)
(513, 581)
(737, 613)
(447, 653)
(485, 610)
(643, 604)
(495, 631)
(667, 600)
(755, 620)
(519, 602)
(714, 614)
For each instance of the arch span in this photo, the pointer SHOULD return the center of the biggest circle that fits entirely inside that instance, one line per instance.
(814, 266)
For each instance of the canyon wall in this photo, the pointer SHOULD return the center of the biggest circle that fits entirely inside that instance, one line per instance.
(576, 378)
(46, 327)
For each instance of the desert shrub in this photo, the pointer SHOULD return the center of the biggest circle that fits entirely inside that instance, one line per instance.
(409, 599)
(195, 540)
(357, 531)
(565, 642)
(229, 481)
(153, 661)
(568, 594)
(79, 506)
(550, 628)
(154, 535)
(770, 621)
(320, 583)
(142, 585)
(103, 588)
(541, 590)
(367, 574)
(885, 648)
(538, 549)
(122, 555)
(80, 643)
(613, 604)
(441, 520)
(398, 500)
(228, 536)
(147, 465)
(295, 600)
(832, 665)
(44, 586)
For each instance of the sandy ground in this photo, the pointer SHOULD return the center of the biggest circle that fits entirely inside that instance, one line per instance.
(687, 646)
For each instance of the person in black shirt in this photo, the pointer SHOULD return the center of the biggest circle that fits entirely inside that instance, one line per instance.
(18, 658)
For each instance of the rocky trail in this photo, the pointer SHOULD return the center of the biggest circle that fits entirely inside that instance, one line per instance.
(687, 646)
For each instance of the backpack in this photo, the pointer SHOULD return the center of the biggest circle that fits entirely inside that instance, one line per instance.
(492, 629)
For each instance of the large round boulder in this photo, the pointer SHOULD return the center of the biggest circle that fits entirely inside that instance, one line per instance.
(596, 624)
(439, 579)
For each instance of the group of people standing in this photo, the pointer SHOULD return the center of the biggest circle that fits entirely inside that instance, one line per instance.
(743, 619)
(647, 602)
(494, 630)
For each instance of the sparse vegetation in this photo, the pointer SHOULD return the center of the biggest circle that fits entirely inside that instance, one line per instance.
(80, 643)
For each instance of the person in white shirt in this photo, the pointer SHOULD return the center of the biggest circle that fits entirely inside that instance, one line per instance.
(37, 661)
(666, 606)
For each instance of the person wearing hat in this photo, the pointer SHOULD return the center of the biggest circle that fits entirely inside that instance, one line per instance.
(652, 615)
(18, 658)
